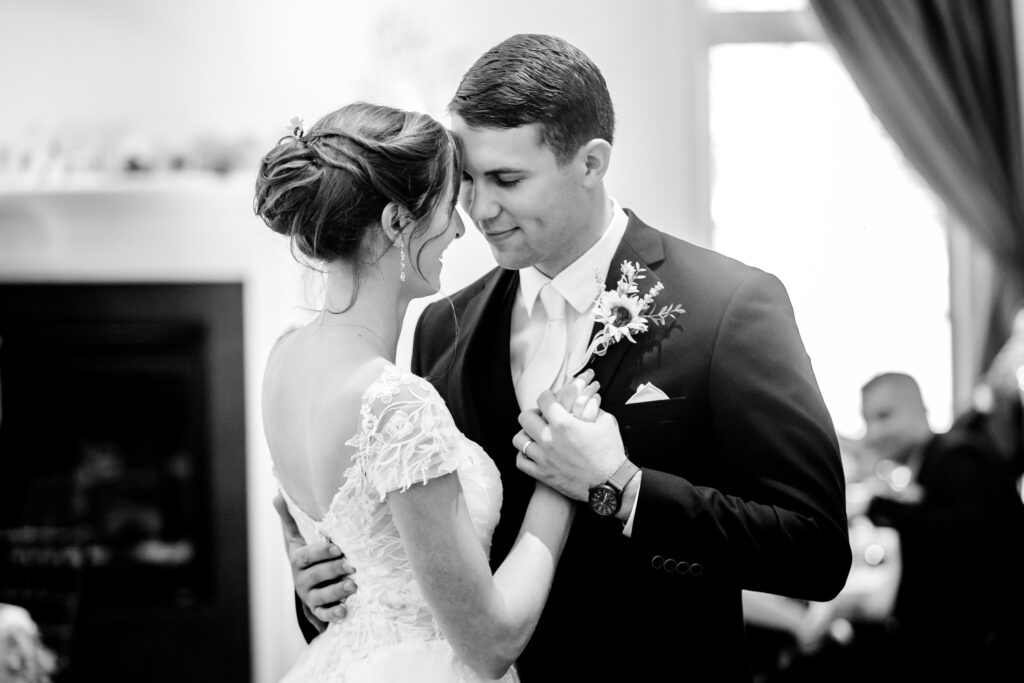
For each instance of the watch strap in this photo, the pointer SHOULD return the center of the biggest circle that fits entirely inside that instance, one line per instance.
(623, 475)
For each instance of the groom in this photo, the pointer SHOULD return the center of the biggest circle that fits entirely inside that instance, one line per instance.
(729, 479)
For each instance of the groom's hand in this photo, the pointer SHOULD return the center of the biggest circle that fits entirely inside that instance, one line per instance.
(568, 454)
(319, 573)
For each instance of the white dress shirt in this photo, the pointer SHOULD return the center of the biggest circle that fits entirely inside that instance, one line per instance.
(579, 283)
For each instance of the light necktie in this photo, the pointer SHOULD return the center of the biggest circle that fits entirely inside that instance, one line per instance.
(544, 366)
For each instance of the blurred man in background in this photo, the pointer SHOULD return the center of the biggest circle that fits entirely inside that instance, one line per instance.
(960, 522)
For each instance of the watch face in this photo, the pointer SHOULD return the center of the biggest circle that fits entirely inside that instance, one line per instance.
(603, 500)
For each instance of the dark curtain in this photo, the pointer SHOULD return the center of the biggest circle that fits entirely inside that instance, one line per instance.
(941, 75)
(1007, 300)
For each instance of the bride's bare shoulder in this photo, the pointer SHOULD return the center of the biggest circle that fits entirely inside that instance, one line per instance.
(326, 375)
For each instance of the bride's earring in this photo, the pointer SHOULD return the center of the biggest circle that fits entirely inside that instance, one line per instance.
(401, 254)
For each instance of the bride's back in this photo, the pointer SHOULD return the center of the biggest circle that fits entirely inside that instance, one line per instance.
(312, 391)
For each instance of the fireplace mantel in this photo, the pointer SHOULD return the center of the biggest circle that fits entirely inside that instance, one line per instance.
(178, 234)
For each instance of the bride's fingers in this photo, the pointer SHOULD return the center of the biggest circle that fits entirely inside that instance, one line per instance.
(584, 398)
(571, 390)
(567, 394)
(551, 411)
(592, 409)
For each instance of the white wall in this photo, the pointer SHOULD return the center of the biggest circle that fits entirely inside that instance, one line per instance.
(170, 71)
(174, 70)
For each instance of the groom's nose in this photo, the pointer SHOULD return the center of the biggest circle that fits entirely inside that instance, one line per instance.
(480, 204)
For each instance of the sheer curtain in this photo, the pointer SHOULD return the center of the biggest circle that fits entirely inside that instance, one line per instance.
(941, 75)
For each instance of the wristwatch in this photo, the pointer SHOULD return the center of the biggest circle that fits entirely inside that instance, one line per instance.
(606, 498)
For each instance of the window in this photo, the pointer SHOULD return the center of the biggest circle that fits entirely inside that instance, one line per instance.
(807, 185)
(756, 5)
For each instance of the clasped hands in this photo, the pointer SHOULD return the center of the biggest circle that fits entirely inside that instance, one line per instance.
(568, 442)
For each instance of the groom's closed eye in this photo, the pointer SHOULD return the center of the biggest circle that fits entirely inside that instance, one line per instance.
(504, 178)
(507, 181)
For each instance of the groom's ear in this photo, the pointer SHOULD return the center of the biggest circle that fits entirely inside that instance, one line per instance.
(596, 155)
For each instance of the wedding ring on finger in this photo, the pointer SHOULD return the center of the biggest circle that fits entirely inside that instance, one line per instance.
(526, 446)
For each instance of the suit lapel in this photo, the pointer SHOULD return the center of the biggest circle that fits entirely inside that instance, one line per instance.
(483, 368)
(641, 244)
(484, 400)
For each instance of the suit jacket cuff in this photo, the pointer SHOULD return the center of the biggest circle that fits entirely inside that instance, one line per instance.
(627, 530)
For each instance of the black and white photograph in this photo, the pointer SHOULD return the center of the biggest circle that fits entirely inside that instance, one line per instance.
(442, 341)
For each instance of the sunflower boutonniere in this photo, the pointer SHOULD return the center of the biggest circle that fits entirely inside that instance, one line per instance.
(624, 313)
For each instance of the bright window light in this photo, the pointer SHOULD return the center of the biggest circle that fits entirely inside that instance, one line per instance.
(807, 185)
(756, 5)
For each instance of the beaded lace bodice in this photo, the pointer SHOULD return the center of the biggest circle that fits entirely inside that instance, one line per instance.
(406, 437)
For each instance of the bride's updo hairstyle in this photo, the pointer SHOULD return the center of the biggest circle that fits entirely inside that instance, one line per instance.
(326, 188)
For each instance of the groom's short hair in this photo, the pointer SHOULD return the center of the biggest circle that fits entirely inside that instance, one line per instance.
(532, 78)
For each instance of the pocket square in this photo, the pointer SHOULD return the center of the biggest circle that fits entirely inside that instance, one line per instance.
(647, 392)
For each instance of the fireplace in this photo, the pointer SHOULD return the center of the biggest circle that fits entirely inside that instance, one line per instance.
(122, 476)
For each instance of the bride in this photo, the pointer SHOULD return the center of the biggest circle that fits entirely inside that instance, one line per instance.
(366, 454)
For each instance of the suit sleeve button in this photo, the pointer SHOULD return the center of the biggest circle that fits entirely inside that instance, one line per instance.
(683, 568)
(670, 565)
(657, 561)
(696, 569)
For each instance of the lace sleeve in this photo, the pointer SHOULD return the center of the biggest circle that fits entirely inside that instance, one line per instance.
(406, 434)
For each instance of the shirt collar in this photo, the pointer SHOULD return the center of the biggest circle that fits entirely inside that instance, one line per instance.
(581, 281)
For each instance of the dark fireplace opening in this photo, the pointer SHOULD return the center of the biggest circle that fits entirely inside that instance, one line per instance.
(122, 473)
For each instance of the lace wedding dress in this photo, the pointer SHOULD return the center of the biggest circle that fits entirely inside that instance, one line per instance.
(405, 438)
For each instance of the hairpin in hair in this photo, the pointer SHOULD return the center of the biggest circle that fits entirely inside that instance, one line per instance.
(296, 124)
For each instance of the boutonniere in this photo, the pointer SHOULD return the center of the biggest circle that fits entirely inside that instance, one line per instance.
(622, 312)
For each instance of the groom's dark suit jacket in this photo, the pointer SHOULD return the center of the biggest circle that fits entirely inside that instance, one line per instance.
(742, 485)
